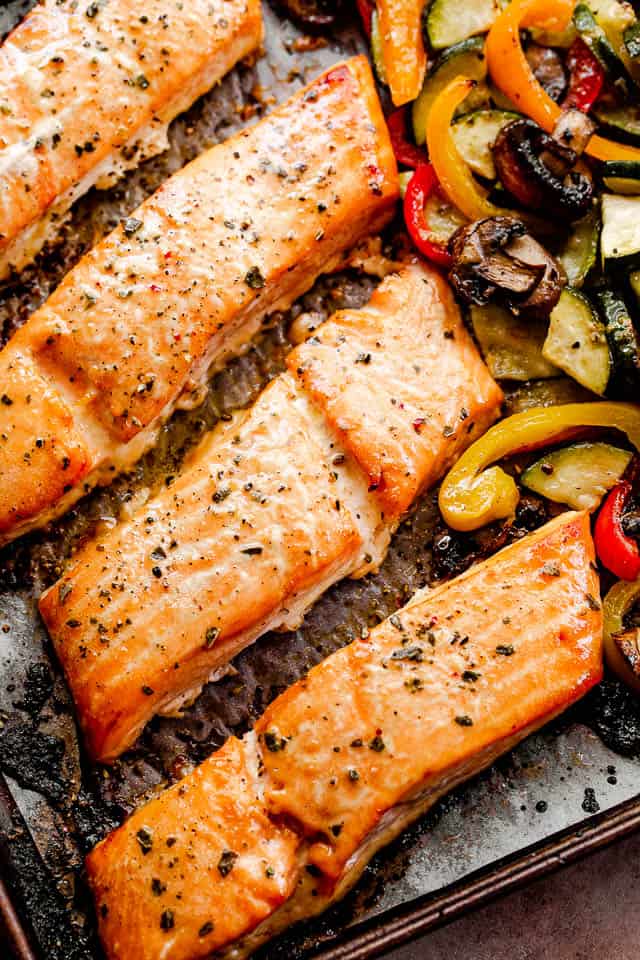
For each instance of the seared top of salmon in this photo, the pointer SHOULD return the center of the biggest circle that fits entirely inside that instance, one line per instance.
(197, 867)
(79, 80)
(151, 301)
(355, 751)
(474, 659)
(269, 511)
(149, 609)
(185, 281)
(406, 391)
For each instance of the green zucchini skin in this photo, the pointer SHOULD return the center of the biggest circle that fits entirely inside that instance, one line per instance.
(623, 342)
(465, 58)
(597, 41)
(621, 176)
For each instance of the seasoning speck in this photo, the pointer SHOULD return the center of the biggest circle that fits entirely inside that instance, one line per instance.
(227, 862)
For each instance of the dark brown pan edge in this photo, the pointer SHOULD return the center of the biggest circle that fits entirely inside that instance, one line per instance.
(394, 927)
(399, 925)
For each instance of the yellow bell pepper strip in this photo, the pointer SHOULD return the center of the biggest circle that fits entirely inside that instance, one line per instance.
(512, 74)
(455, 177)
(621, 646)
(405, 60)
(475, 493)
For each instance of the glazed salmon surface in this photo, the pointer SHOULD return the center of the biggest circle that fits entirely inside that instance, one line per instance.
(269, 511)
(402, 435)
(356, 751)
(186, 281)
(88, 89)
(197, 867)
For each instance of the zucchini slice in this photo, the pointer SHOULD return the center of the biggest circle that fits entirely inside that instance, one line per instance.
(475, 134)
(598, 42)
(443, 218)
(577, 343)
(512, 347)
(621, 123)
(632, 40)
(620, 238)
(621, 176)
(449, 21)
(623, 341)
(463, 58)
(581, 248)
(545, 393)
(578, 475)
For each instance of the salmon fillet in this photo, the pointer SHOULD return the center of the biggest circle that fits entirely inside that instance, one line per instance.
(357, 750)
(271, 509)
(186, 281)
(87, 91)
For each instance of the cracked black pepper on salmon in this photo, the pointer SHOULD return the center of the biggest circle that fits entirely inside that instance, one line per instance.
(304, 820)
(134, 328)
(300, 490)
(87, 91)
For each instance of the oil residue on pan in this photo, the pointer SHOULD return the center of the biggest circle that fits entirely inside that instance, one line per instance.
(58, 806)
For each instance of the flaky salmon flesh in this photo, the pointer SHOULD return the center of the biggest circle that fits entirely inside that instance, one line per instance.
(87, 91)
(182, 285)
(275, 827)
(302, 489)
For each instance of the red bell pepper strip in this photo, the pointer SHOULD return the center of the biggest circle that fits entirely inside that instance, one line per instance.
(365, 9)
(586, 77)
(619, 553)
(422, 185)
(407, 154)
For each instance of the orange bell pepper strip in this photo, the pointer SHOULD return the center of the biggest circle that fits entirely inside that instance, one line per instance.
(403, 51)
(456, 180)
(512, 74)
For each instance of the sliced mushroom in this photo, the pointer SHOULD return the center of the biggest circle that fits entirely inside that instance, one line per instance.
(627, 646)
(312, 14)
(538, 170)
(548, 69)
(574, 129)
(496, 259)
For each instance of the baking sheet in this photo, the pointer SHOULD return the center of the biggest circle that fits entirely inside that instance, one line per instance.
(56, 805)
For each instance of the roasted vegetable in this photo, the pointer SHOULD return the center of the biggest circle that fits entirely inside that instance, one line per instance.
(596, 39)
(548, 69)
(577, 343)
(586, 78)
(450, 22)
(496, 259)
(406, 153)
(474, 135)
(623, 342)
(578, 475)
(511, 345)
(475, 493)
(617, 550)
(312, 14)
(622, 645)
(429, 218)
(539, 171)
(511, 73)
(402, 47)
(620, 239)
(464, 59)
(621, 177)
(580, 250)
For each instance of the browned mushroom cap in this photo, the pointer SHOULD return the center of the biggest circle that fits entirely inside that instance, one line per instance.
(312, 14)
(628, 647)
(496, 259)
(548, 69)
(539, 171)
